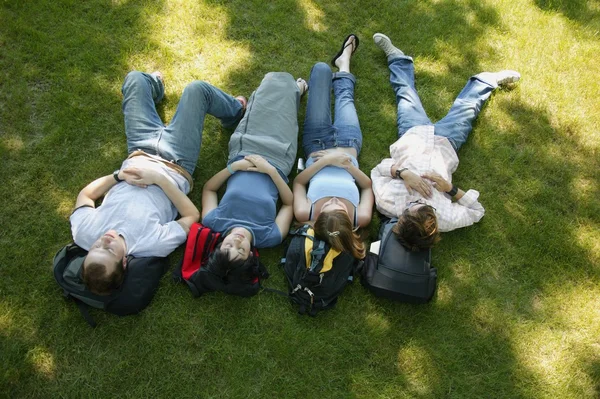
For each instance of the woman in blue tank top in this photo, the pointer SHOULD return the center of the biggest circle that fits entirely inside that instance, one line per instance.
(262, 151)
(332, 191)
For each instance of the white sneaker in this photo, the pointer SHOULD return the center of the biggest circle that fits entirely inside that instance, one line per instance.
(384, 43)
(507, 76)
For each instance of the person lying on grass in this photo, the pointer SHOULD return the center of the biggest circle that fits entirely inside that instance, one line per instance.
(415, 184)
(332, 193)
(142, 199)
(262, 151)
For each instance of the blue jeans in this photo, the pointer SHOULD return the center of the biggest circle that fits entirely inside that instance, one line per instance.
(179, 141)
(319, 133)
(457, 124)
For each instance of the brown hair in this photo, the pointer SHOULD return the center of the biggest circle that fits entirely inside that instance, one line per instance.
(417, 230)
(335, 228)
(99, 281)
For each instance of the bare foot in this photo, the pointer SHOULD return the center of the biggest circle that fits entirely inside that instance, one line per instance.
(343, 61)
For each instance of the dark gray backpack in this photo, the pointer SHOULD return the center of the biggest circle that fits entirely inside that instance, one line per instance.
(397, 273)
(142, 277)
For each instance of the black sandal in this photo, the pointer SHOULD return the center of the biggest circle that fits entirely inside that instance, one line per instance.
(344, 45)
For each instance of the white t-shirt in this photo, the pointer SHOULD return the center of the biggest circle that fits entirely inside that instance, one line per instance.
(145, 217)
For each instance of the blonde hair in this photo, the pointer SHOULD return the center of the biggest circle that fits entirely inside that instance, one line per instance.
(335, 228)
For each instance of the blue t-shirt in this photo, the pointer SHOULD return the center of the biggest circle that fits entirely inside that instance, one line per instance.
(250, 201)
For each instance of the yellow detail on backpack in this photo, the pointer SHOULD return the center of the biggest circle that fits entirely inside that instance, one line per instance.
(308, 246)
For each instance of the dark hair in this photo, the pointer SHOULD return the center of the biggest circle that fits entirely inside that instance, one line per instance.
(97, 279)
(219, 263)
(335, 228)
(417, 230)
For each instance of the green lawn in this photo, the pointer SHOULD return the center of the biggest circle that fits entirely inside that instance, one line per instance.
(517, 314)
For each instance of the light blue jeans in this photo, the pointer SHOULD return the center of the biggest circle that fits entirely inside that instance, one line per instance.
(180, 140)
(457, 124)
(319, 132)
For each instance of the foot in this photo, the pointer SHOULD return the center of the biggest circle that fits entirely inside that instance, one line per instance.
(507, 76)
(384, 43)
(302, 86)
(158, 75)
(342, 61)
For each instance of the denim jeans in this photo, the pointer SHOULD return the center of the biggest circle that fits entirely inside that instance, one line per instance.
(179, 141)
(319, 132)
(457, 124)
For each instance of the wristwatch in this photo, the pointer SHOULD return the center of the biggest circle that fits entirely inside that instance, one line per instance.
(399, 173)
(453, 191)
(116, 175)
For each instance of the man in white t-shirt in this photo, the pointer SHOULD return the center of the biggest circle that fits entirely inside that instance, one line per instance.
(138, 215)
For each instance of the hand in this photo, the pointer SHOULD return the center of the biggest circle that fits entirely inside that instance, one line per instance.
(259, 164)
(413, 181)
(333, 158)
(140, 177)
(439, 182)
(242, 164)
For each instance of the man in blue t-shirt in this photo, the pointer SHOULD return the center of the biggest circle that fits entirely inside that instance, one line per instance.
(138, 215)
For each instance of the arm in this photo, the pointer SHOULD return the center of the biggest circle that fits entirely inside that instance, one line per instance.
(186, 208)
(412, 181)
(464, 212)
(95, 190)
(365, 206)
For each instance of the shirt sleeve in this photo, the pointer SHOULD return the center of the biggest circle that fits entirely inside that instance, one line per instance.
(169, 237)
(465, 212)
(383, 190)
(78, 220)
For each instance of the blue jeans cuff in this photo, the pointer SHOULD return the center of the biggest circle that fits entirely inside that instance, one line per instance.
(342, 74)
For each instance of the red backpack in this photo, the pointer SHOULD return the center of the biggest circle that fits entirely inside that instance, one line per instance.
(200, 277)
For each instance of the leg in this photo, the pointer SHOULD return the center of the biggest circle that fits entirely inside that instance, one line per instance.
(182, 138)
(410, 109)
(346, 120)
(458, 123)
(270, 126)
(317, 122)
(141, 91)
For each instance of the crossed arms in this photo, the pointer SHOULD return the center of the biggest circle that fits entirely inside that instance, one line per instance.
(142, 177)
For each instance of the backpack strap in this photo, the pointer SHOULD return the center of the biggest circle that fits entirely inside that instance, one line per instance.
(83, 309)
(316, 254)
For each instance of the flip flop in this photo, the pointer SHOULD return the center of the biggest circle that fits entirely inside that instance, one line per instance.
(344, 45)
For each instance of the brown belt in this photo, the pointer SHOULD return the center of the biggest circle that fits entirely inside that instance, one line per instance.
(170, 164)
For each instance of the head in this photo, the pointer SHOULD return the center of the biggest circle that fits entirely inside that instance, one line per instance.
(234, 251)
(417, 227)
(104, 266)
(335, 227)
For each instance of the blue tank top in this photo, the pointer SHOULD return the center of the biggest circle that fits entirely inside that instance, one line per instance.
(332, 181)
(250, 201)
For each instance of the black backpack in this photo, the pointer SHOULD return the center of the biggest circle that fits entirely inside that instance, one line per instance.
(200, 278)
(141, 280)
(397, 273)
(316, 274)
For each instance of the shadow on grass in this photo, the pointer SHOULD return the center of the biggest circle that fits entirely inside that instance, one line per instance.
(65, 128)
(584, 12)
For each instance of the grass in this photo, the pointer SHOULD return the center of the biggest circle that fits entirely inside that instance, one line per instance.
(516, 314)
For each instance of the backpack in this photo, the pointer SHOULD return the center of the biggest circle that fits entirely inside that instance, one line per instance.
(316, 273)
(141, 280)
(397, 273)
(200, 278)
